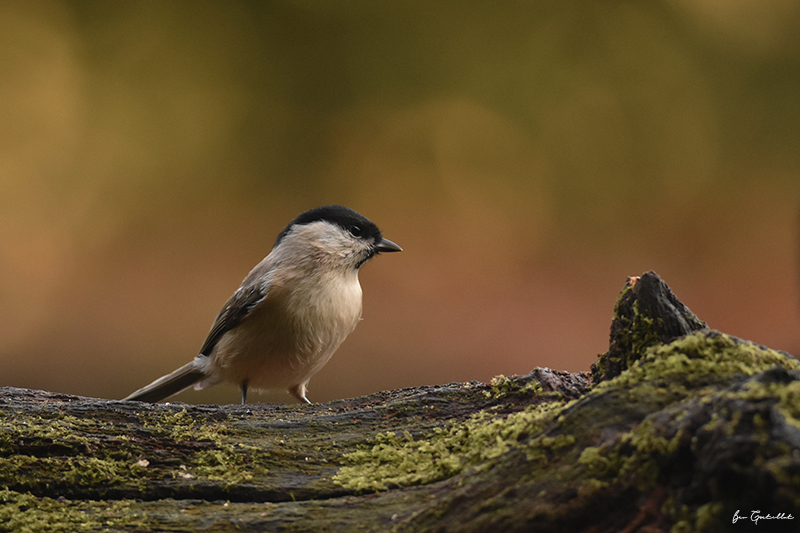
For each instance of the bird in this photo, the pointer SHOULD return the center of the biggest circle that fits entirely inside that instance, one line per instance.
(291, 312)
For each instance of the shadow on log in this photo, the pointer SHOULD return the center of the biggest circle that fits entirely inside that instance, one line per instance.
(678, 428)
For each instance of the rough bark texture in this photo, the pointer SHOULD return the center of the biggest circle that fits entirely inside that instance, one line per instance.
(679, 428)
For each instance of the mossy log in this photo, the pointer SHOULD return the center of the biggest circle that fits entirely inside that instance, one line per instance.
(678, 428)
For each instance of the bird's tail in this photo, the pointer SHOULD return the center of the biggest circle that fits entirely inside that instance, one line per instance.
(172, 383)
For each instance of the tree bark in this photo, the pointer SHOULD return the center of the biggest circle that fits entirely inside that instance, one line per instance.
(678, 428)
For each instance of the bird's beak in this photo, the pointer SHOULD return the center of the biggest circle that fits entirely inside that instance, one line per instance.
(385, 245)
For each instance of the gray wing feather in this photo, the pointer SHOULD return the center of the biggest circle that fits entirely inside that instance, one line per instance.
(243, 301)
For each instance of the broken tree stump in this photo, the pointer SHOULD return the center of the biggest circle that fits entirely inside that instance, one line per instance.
(678, 428)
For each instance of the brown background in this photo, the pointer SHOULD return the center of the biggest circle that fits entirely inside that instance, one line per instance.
(527, 155)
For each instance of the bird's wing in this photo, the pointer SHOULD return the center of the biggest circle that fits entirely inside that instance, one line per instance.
(243, 301)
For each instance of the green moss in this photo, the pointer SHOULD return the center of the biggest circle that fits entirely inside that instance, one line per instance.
(24, 513)
(690, 365)
(599, 462)
(181, 426)
(231, 463)
(706, 517)
(49, 450)
(697, 369)
(399, 460)
(787, 395)
(44, 431)
(589, 486)
(541, 448)
(636, 457)
(29, 471)
(503, 386)
(226, 461)
(640, 333)
(667, 384)
(633, 332)
(698, 360)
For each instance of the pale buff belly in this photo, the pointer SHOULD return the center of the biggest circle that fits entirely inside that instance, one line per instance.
(276, 349)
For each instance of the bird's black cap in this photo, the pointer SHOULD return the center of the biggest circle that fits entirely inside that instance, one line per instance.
(344, 217)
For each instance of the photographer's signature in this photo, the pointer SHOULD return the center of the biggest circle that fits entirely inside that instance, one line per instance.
(755, 516)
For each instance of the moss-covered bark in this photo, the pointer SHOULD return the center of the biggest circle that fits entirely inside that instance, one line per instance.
(682, 428)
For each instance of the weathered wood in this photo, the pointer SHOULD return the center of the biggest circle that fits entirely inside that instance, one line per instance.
(683, 427)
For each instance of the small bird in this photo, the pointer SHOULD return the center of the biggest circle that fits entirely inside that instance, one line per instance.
(291, 312)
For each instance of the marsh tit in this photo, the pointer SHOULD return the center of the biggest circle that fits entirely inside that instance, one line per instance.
(291, 312)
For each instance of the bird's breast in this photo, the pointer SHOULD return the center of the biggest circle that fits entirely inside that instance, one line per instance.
(293, 333)
(325, 312)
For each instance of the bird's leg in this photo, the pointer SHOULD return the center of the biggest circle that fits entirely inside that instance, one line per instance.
(244, 392)
(299, 392)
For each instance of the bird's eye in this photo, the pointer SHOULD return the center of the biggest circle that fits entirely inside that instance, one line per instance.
(355, 231)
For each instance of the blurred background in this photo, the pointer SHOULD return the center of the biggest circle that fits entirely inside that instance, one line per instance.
(528, 156)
